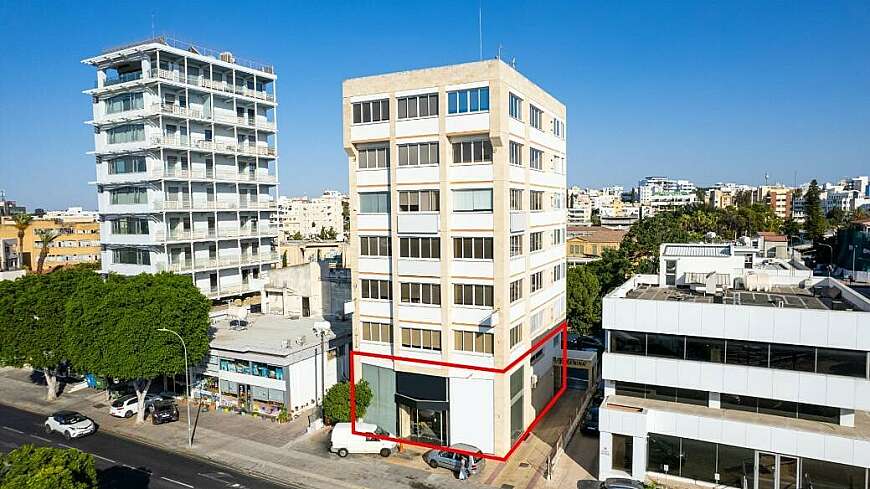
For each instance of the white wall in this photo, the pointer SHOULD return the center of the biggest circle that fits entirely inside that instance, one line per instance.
(471, 412)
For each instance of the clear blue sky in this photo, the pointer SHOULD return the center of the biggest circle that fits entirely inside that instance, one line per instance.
(711, 91)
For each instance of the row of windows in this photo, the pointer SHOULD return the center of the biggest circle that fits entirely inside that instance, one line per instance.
(376, 289)
(373, 157)
(424, 339)
(131, 256)
(473, 342)
(470, 100)
(472, 295)
(472, 248)
(374, 245)
(127, 164)
(418, 106)
(124, 102)
(418, 154)
(129, 195)
(130, 225)
(417, 293)
(473, 151)
(419, 200)
(831, 361)
(371, 111)
(128, 133)
(420, 248)
(465, 248)
(380, 332)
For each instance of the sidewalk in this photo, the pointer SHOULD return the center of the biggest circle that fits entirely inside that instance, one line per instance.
(259, 447)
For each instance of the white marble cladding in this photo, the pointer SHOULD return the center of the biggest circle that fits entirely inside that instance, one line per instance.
(471, 221)
(477, 172)
(417, 127)
(460, 123)
(811, 327)
(370, 132)
(768, 383)
(419, 223)
(471, 268)
(368, 177)
(420, 312)
(377, 308)
(417, 174)
(416, 267)
(374, 222)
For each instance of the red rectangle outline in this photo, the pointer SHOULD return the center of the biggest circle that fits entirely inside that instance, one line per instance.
(561, 328)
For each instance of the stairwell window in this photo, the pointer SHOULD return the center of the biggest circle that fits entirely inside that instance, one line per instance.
(419, 201)
(515, 107)
(516, 153)
(477, 200)
(536, 159)
(536, 115)
(418, 293)
(371, 111)
(124, 102)
(128, 133)
(418, 106)
(476, 151)
(418, 154)
(472, 341)
(470, 100)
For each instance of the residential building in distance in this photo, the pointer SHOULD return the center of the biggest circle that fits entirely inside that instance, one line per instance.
(735, 370)
(778, 197)
(579, 209)
(310, 217)
(9, 207)
(10, 261)
(186, 154)
(622, 215)
(587, 244)
(722, 195)
(457, 198)
(663, 192)
(78, 241)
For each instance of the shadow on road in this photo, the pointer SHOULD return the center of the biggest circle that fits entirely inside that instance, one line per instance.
(588, 484)
(120, 477)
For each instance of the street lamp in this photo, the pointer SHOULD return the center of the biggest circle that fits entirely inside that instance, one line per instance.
(187, 382)
(320, 329)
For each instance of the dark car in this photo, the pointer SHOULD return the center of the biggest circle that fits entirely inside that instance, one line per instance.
(586, 343)
(620, 483)
(590, 421)
(164, 411)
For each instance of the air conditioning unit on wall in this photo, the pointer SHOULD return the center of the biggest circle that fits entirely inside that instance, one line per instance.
(534, 380)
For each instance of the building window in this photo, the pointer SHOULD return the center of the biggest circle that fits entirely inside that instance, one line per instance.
(131, 256)
(516, 335)
(516, 199)
(124, 102)
(371, 111)
(478, 200)
(471, 100)
(472, 248)
(418, 201)
(558, 128)
(418, 106)
(475, 151)
(374, 245)
(558, 201)
(516, 290)
(128, 133)
(515, 107)
(536, 281)
(536, 159)
(374, 203)
(417, 293)
(377, 156)
(472, 295)
(130, 225)
(376, 289)
(423, 339)
(536, 115)
(129, 164)
(516, 153)
(418, 154)
(558, 236)
(473, 342)
(516, 244)
(536, 241)
(380, 332)
(129, 196)
(420, 248)
(559, 272)
(536, 200)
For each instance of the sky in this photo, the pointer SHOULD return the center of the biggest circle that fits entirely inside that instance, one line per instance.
(708, 91)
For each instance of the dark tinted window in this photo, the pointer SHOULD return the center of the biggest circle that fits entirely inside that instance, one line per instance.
(792, 357)
(820, 474)
(630, 389)
(661, 393)
(777, 407)
(705, 349)
(825, 414)
(749, 353)
(699, 460)
(692, 396)
(663, 454)
(735, 463)
(627, 342)
(739, 403)
(665, 345)
(841, 362)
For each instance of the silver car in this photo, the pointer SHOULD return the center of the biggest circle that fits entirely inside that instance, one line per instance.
(452, 460)
(70, 424)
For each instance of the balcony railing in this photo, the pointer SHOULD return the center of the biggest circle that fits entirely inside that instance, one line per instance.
(180, 266)
(202, 144)
(179, 235)
(217, 85)
(135, 75)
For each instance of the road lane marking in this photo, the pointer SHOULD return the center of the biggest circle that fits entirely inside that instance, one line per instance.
(13, 430)
(41, 438)
(176, 482)
(65, 446)
(105, 459)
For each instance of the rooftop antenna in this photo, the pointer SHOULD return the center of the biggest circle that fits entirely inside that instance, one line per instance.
(498, 56)
(514, 62)
(152, 23)
(766, 178)
(480, 28)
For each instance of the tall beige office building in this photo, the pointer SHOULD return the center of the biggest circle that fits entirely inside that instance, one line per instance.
(457, 196)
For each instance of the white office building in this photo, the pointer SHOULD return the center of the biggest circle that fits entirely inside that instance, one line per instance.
(311, 216)
(665, 192)
(186, 163)
(731, 369)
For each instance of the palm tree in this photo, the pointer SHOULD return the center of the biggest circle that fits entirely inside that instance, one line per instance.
(46, 237)
(22, 222)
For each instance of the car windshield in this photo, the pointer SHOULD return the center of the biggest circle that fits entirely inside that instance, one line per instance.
(380, 431)
(121, 401)
(73, 419)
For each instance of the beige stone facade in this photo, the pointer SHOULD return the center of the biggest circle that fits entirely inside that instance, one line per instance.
(441, 232)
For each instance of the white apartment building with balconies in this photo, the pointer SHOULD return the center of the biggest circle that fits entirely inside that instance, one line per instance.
(186, 163)
(728, 369)
(309, 217)
(457, 198)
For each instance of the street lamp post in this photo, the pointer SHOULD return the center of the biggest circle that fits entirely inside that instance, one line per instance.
(320, 329)
(187, 383)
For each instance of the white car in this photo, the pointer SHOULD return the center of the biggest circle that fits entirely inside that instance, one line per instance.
(127, 406)
(343, 441)
(70, 424)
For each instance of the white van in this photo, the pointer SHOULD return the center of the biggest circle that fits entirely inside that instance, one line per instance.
(344, 442)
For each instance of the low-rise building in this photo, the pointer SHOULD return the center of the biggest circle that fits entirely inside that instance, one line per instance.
(78, 241)
(10, 264)
(311, 217)
(728, 372)
(588, 243)
(311, 289)
(663, 192)
(297, 252)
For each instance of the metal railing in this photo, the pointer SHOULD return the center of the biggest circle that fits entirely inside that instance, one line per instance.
(202, 144)
(217, 85)
(123, 78)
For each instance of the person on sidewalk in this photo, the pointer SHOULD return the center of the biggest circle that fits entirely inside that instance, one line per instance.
(463, 467)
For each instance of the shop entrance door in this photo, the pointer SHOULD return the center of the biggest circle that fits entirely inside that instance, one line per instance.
(774, 471)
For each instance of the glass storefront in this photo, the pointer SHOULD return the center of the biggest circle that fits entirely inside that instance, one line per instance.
(422, 408)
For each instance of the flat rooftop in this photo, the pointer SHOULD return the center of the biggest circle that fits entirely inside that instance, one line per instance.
(273, 335)
(789, 297)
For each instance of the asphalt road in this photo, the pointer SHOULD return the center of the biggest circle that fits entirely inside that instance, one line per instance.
(124, 463)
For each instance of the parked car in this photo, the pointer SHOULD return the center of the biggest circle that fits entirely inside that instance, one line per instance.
(590, 421)
(70, 424)
(163, 411)
(584, 342)
(452, 460)
(620, 483)
(343, 441)
(127, 406)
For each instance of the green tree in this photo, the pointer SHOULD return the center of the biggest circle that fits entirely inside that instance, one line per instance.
(836, 217)
(284, 260)
(331, 234)
(22, 222)
(120, 319)
(30, 467)
(32, 318)
(336, 403)
(345, 216)
(584, 299)
(297, 236)
(46, 238)
(790, 227)
(815, 224)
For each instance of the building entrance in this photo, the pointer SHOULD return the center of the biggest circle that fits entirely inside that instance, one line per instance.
(774, 471)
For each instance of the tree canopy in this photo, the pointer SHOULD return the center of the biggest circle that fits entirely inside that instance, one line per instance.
(30, 467)
(336, 403)
(815, 223)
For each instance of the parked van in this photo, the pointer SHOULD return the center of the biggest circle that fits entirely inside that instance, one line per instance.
(344, 442)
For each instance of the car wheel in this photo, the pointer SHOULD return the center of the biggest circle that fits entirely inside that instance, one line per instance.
(67, 435)
(128, 414)
(342, 452)
(48, 430)
(385, 452)
(433, 464)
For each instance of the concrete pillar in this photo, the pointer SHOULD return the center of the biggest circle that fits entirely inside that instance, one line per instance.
(714, 401)
(146, 67)
(101, 77)
(847, 417)
(638, 458)
(605, 454)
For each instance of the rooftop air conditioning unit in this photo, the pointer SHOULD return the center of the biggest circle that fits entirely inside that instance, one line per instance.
(228, 57)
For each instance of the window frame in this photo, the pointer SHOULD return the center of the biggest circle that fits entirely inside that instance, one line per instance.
(367, 107)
